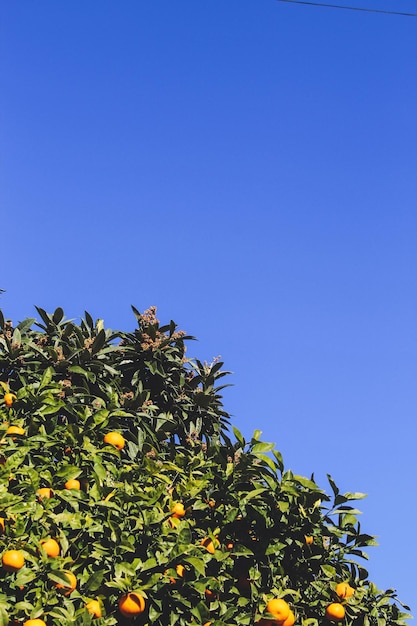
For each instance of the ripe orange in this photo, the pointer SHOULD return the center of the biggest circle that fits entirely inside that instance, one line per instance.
(115, 439)
(308, 539)
(180, 569)
(94, 608)
(44, 492)
(178, 510)
(9, 398)
(34, 622)
(131, 604)
(344, 590)
(2, 525)
(68, 588)
(211, 595)
(51, 547)
(73, 483)
(279, 609)
(290, 619)
(335, 612)
(13, 560)
(15, 430)
(209, 545)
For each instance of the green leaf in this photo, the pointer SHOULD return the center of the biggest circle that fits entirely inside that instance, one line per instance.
(95, 580)
(46, 377)
(197, 564)
(57, 316)
(262, 447)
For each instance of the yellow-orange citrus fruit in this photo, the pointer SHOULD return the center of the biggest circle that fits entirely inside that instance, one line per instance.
(44, 492)
(115, 439)
(9, 398)
(290, 620)
(209, 545)
(13, 560)
(131, 604)
(51, 547)
(34, 622)
(308, 539)
(2, 524)
(335, 612)
(178, 510)
(94, 608)
(72, 484)
(15, 430)
(68, 588)
(344, 590)
(279, 609)
(180, 569)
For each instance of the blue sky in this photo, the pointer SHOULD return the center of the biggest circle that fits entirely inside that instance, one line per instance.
(250, 168)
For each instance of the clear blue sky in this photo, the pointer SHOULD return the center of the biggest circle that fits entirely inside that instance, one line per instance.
(250, 167)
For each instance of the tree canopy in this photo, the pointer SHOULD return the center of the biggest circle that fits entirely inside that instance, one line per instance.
(126, 493)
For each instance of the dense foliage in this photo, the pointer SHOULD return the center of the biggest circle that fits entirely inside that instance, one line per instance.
(202, 525)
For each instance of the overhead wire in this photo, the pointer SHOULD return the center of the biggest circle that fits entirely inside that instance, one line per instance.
(348, 8)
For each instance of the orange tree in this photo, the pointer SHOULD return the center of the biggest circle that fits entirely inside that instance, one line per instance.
(126, 495)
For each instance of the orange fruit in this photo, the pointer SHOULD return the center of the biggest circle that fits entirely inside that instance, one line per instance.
(2, 525)
(13, 560)
(73, 483)
(131, 604)
(94, 608)
(335, 612)
(211, 595)
(309, 540)
(209, 545)
(279, 609)
(68, 588)
(9, 398)
(344, 590)
(290, 619)
(180, 569)
(115, 439)
(178, 510)
(34, 622)
(51, 547)
(44, 492)
(15, 430)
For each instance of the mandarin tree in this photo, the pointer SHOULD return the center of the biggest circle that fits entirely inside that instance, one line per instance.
(117, 453)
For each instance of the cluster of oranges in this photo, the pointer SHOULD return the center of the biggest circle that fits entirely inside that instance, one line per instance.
(281, 614)
(13, 560)
(133, 603)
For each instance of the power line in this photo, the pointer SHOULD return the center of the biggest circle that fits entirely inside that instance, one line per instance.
(338, 6)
